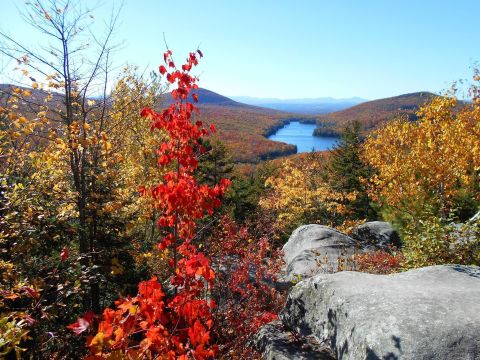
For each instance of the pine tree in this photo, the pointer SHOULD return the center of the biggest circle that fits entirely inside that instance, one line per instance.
(216, 163)
(243, 197)
(346, 170)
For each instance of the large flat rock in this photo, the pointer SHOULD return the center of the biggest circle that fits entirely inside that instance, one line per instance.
(427, 313)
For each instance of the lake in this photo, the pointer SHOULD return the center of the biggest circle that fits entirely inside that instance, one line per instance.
(301, 134)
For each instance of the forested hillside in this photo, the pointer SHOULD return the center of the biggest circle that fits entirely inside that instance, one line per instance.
(373, 114)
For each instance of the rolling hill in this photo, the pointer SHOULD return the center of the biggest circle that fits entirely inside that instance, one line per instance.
(244, 131)
(373, 114)
(207, 98)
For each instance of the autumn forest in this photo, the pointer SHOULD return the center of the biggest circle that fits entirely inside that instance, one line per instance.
(143, 216)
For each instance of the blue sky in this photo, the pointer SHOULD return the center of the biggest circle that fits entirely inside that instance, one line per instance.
(302, 48)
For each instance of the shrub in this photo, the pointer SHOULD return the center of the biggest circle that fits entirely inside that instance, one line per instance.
(432, 242)
(379, 262)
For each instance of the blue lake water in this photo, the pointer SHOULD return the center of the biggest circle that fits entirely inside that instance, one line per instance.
(300, 134)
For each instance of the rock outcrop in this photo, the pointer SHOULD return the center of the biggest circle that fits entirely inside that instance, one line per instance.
(377, 234)
(427, 313)
(313, 249)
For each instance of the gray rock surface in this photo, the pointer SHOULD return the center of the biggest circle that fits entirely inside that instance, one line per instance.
(377, 234)
(316, 248)
(428, 313)
(276, 343)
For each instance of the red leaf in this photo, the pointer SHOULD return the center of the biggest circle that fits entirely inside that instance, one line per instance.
(147, 113)
(166, 55)
(143, 191)
(64, 254)
(148, 322)
(82, 323)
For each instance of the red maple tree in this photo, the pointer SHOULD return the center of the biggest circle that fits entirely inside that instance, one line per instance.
(177, 326)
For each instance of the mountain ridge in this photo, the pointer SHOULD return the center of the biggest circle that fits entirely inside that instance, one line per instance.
(307, 106)
(372, 114)
(324, 99)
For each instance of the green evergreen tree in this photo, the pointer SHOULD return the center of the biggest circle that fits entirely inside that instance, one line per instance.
(246, 191)
(345, 170)
(215, 164)
(243, 197)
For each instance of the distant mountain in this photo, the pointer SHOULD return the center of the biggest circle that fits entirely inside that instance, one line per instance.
(208, 97)
(372, 114)
(321, 105)
(321, 100)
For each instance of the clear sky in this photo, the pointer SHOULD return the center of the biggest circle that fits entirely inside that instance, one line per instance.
(299, 48)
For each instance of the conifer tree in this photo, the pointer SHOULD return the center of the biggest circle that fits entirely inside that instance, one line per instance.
(346, 170)
(215, 164)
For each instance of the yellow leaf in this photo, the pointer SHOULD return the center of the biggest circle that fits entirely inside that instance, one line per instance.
(97, 340)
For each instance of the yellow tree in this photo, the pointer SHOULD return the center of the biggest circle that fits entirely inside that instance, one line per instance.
(136, 164)
(427, 172)
(70, 167)
(39, 205)
(429, 164)
(298, 195)
(75, 63)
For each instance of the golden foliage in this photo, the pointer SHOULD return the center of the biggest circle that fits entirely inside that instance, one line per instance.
(36, 149)
(428, 163)
(298, 194)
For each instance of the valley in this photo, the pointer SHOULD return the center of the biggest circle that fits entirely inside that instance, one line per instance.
(255, 133)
